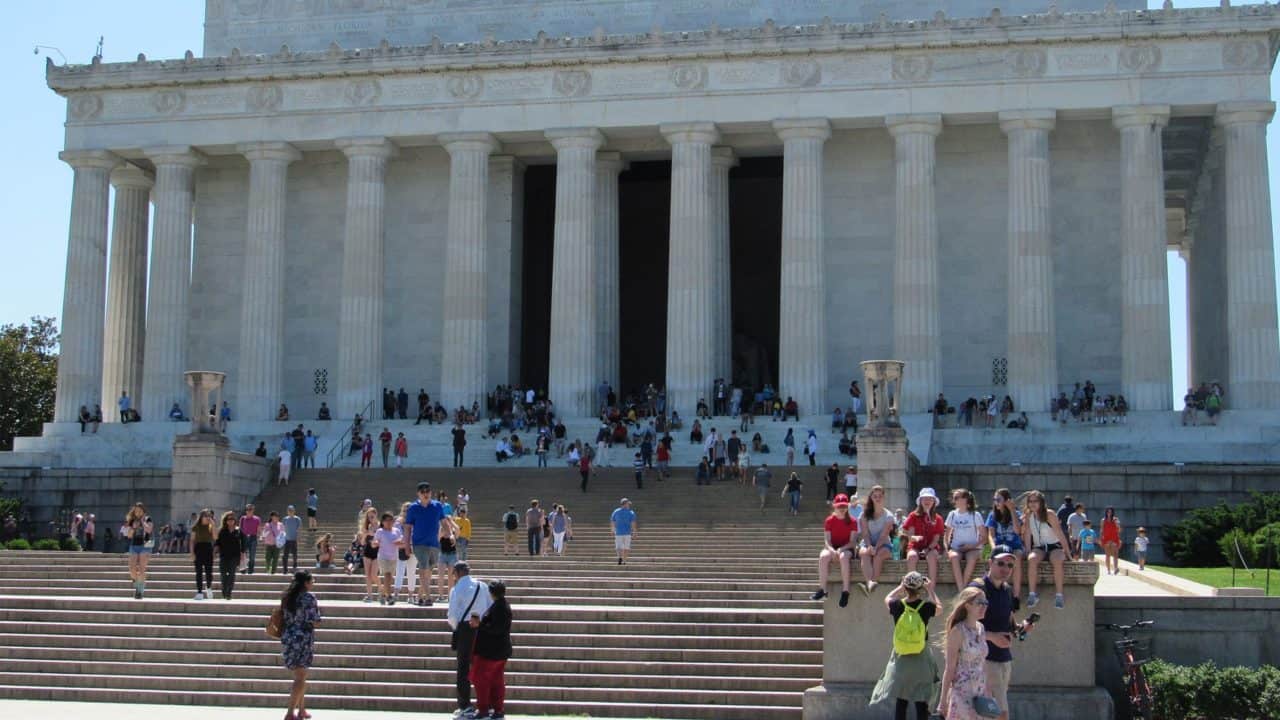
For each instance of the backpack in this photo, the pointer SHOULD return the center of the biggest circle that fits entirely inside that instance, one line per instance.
(511, 520)
(909, 634)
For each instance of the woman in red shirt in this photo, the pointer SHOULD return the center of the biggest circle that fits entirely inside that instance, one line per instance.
(924, 529)
(1111, 540)
(840, 530)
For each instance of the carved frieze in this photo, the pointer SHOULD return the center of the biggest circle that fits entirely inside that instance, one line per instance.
(801, 73)
(168, 102)
(363, 92)
(1140, 58)
(572, 83)
(912, 68)
(86, 106)
(689, 77)
(1244, 54)
(466, 87)
(264, 98)
(1028, 62)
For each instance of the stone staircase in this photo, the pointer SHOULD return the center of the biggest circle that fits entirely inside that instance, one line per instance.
(710, 618)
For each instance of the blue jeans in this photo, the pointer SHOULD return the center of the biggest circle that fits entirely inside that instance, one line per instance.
(251, 549)
(535, 541)
(795, 499)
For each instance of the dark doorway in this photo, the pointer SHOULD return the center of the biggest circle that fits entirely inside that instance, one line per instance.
(755, 242)
(539, 237)
(644, 220)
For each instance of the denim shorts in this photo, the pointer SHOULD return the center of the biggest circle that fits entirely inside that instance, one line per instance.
(427, 555)
(139, 550)
(448, 559)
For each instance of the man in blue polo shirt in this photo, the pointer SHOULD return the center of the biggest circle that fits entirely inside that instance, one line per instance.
(624, 527)
(999, 625)
(422, 527)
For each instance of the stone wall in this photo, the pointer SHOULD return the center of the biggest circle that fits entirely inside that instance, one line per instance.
(1152, 496)
(107, 493)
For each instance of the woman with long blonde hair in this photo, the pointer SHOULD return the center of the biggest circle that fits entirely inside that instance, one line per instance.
(964, 676)
(364, 536)
(137, 529)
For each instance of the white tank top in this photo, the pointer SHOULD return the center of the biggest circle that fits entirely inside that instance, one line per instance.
(1042, 533)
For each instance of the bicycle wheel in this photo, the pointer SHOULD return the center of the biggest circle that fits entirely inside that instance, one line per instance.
(1141, 700)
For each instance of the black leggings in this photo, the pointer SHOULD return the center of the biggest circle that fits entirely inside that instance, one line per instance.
(227, 565)
(204, 565)
(900, 710)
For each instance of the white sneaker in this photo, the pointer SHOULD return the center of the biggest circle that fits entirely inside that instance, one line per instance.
(199, 596)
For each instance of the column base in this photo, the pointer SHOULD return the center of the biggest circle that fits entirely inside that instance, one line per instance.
(840, 701)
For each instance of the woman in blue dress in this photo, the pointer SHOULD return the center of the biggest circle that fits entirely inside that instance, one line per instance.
(301, 613)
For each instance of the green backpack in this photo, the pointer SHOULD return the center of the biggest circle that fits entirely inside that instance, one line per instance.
(909, 634)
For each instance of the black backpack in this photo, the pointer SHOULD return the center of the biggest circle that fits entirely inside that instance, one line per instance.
(511, 520)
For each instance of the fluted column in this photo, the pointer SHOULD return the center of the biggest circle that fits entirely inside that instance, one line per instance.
(1253, 347)
(722, 160)
(608, 302)
(802, 330)
(1146, 366)
(168, 300)
(463, 371)
(260, 385)
(360, 314)
(691, 354)
(1032, 349)
(126, 289)
(917, 337)
(80, 355)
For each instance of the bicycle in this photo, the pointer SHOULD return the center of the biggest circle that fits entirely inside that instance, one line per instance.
(1134, 678)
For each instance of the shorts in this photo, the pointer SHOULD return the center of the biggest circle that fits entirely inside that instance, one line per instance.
(1088, 555)
(621, 542)
(511, 537)
(1047, 550)
(1140, 554)
(448, 559)
(139, 550)
(386, 567)
(311, 512)
(998, 682)
(427, 555)
(763, 490)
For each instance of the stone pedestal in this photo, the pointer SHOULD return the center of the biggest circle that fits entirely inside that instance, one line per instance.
(883, 458)
(857, 639)
(208, 474)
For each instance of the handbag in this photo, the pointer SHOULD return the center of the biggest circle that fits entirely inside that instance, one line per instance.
(986, 706)
(453, 638)
(275, 623)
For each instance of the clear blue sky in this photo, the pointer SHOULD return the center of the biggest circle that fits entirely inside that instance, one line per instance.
(37, 195)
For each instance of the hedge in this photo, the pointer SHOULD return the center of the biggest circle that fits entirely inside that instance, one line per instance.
(1208, 692)
(18, 544)
(46, 544)
(1194, 540)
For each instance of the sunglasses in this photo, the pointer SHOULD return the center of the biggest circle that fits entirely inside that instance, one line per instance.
(981, 603)
(1004, 564)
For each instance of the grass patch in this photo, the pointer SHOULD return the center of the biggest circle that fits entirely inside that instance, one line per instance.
(1220, 577)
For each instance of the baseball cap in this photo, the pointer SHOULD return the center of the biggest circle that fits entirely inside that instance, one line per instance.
(999, 550)
(624, 501)
(841, 499)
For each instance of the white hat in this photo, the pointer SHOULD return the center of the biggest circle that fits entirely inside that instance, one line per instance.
(926, 493)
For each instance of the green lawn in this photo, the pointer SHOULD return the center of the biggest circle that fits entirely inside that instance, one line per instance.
(1221, 577)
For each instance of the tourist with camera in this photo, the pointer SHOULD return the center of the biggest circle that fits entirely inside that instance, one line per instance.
(999, 624)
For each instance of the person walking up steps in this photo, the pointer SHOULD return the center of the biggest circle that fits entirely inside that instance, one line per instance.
(313, 508)
(533, 527)
(292, 524)
(298, 637)
(761, 481)
(623, 520)
(511, 531)
(561, 529)
(230, 547)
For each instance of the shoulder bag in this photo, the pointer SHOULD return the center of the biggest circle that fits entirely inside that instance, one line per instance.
(275, 623)
(453, 640)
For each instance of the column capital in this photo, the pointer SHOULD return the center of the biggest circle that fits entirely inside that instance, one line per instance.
(802, 128)
(574, 137)
(463, 141)
(1125, 116)
(914, 124)
(690, 132)
(101, 159)
(128, 175)
(1248, 111)
(724, 157)
(278, 151)
(610, 162)
(1011, 120)
(183, 155)
(376, 147)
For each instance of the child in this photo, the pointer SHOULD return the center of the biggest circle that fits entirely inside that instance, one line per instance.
(1075, 521)
(387, 539)
(638, 465)
(911, 676)
(1088, 542)
(1140, 545)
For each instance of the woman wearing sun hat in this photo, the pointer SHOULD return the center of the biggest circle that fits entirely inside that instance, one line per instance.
(911, 675)
(841, 531)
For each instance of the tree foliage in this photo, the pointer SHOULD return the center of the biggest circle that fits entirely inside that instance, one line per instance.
(28, 377)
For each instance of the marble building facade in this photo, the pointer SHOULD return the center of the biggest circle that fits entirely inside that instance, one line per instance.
(956, 191)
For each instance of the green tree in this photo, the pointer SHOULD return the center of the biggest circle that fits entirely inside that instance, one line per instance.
(28, 377)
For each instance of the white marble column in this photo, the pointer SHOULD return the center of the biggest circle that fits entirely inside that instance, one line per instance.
(608, 300)
(574, 363)
(126, 289)
(360, 315)
(691, 348)
(802, 327)
(722, 160)
(1253, 354)
(1032, 349)
(1146, 366)
(80, 355)
(463, 371)
(917, 335)
(168, 300)
(260, 385)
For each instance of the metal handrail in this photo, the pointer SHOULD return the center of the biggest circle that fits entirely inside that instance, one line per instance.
(337, 452)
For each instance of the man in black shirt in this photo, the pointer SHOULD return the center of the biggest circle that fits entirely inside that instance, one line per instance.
(459, 442)
(999, 624)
